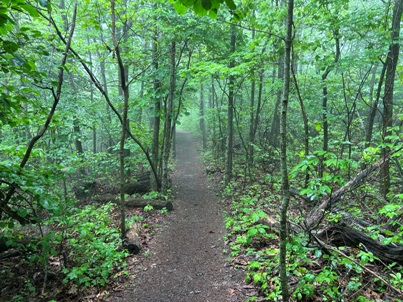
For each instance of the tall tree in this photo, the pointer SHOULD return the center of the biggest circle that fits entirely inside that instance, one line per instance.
(283, 154)
(124, 88)
(169, 111)
(230, 112)
(391, 64)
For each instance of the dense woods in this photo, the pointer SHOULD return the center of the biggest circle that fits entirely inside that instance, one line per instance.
(298, 107)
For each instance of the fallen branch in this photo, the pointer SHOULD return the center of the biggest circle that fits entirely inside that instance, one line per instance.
(317, 214)
(343, 235)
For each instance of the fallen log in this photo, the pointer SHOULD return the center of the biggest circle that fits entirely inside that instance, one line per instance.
(132, 241)
(133, 202)
(141, 203)
(344, 235)
(376, 275)
(318, 213)
(143, 186)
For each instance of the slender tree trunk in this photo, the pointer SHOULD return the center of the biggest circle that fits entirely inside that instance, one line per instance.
(249, 151)
(202, 118)
(275, 123)
(125, 91)
(374, 104)
(304, 120)
(102, 66)
(325, 99)
(155, 182)
(283, 155)
(94, 127)
(391, 64)
(76, 126)
(168, 130)
(230, 114)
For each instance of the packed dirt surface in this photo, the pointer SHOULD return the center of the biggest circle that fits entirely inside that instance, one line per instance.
(185, 261)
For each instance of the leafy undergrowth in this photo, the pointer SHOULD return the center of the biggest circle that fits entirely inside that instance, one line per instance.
(79, 259)
(316, 273)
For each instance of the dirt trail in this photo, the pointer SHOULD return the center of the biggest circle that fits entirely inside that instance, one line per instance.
(186, 261)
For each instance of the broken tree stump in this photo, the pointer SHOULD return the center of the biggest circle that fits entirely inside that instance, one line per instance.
(132, 239)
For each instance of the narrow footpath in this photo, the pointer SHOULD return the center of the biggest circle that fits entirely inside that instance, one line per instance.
(186, 263)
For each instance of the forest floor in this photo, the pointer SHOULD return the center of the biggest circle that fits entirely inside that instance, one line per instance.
(185, 260)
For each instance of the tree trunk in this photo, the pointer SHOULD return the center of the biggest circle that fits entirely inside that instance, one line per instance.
(76, 126)
(305, 121)
(374, 104)
(275, 123)
(343, 235)
(202, 122)
(125, 90)
(102, 65)
(325, 98)
(251, 141)
(132, 241)
(155, 183)
(283, 154)
(230, 113)
(168, 130)
(391, 63)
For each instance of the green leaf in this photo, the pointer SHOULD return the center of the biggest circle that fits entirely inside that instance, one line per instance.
(22, 212)
(30, 9)
(10, 46)
(187, 3)
(180, 8)
(206, 4)
(199, 9)
(231, 4)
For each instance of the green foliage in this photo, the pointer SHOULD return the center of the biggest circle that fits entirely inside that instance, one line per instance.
(148, 208)
(202, 7)
(93, 246)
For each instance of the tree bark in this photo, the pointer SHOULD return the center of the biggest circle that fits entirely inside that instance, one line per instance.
(155, 182)
(283, 154)
(125, 90)
(132, 240)
(374, 104)
(202, 122)
(325, 117)
(391, 64)
(230, 113)
(305, 121)
(344, 235)
(168, 130)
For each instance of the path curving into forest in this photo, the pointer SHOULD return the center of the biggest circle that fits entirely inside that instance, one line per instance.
(186, 263)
